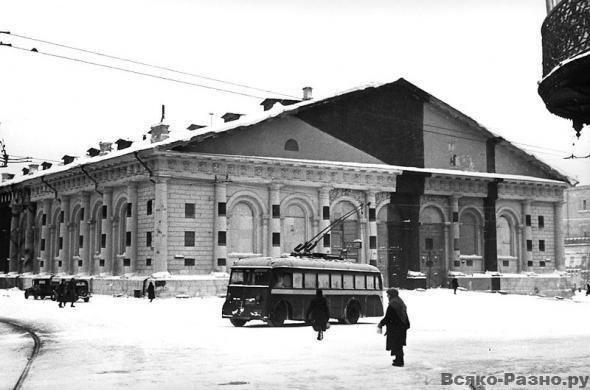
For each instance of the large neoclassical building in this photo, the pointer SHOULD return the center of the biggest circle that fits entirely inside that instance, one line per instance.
(431, 191)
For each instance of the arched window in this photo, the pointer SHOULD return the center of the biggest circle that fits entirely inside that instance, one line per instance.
(240, 226)
(504, 237)
(294, 228)
(344, 233)
(470, 228)
(291, 145)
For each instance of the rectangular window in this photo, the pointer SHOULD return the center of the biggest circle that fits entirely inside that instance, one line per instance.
(455, 216)
(584, 204)
(148, 239)
(372, 214)
(469, 263)
(101, 263)
(529, 263)
(372, 242)
(81, 242)
(128, 210)
(323, 280)
(149, 207)
(42, 244)
(541, 263)
(189, 238)
(82, 214)
(126, 262)
(348, 282)
(221, 262)
(59, 264)
(297, 280)
(276, 239)
(44, 220)
(529, 245)
(221, 238)
(41, 263)
(336, 281)
(309, 280)
(189, 262)
(104, 211)
(80, 263)
(457, 263)
(189, 210)
(326, 213)
(541, 221)
(505, 263)
(527, 220)
(103, 240)
(326, 241)
(370, 282)
(359, 282)
(127, 238)
(61, 243)
(542, 245)
(429, 243)
(61, 217)
(221, 209)
(276, 211)
(148, 262)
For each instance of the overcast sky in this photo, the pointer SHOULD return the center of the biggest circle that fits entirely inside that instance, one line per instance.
(482, 57)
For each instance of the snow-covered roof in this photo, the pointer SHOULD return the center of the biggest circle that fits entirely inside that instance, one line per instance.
(304, 262)
(184, 136)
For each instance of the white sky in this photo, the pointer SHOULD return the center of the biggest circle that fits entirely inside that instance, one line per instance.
(482, 57)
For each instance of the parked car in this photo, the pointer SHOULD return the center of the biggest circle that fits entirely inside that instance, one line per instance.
(42, 287)
(83, 290)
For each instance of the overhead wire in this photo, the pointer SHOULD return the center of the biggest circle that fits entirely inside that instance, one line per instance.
(149, 65)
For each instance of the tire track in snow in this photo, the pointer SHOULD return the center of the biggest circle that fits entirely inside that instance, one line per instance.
(35, 351)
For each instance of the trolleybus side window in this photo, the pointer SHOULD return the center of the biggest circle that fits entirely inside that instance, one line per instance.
(309, 280)
(250, 277)
(323, 280)
(370, 282)
(348, 282)
(359, 282)
(336, 280)
(297, 280)
(283, 280)
(237, 277)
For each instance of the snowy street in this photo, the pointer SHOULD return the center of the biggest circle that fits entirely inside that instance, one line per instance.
(185, 344)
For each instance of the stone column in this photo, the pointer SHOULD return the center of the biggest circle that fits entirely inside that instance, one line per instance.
(447, 254)
(46, 236)
(30, 237)
(371, 245)
(85, 232)
(519, 246)
(559, 249)
(161, 225)
(274, 205)
(220, 228)
(131, 224)
(107, 229)
(66, 231)
(528, 233)
(265, 234)
(14, 233)
(455, 227)
(324, 218)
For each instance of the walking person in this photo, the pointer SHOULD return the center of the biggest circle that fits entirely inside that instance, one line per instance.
(151, 291)
(318, 313)
(71, 295)
(397, 322)
(587, 288)
(455, 285)
(60, 293)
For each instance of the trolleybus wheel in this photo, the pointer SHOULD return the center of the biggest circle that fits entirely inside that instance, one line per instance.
(278, 315)
(26, 295)
(352, 312)
(237, 322)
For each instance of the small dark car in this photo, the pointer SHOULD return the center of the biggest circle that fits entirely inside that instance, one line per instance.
(41, 288)
(83, 290)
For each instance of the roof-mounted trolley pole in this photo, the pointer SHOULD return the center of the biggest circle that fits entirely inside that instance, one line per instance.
(304, 249)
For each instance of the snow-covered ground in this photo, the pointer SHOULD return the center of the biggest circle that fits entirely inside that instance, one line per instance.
(185, 344)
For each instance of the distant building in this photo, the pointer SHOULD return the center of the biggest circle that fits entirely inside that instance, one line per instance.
(435, 191)
(577, 231)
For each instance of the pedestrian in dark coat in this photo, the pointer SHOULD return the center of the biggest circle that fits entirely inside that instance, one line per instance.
(318, 313)
(455, 285)
(397, 322)
(60, 293)
(587, 289)
(151, 292)
(71, 295)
